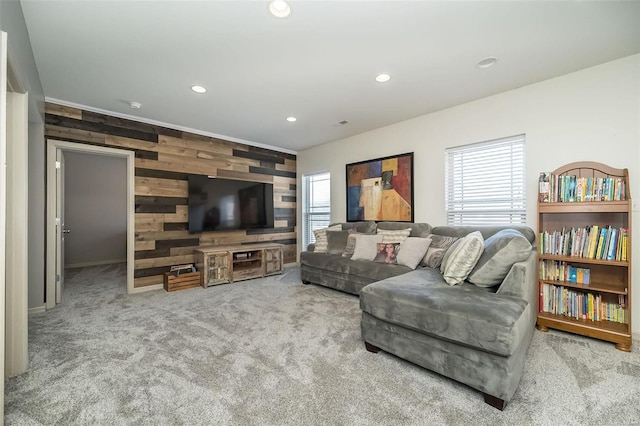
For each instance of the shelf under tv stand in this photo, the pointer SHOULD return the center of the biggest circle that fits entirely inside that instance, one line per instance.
(229, 263)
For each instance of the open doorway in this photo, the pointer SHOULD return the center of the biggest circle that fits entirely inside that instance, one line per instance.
(98, 238)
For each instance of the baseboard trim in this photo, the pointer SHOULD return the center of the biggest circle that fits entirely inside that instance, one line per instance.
(147, 288)
(95, 263)
(38, 310)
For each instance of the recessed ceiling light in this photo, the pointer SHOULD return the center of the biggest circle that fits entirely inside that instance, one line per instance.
(198, 89)
(291, 119)
(487, 62)
(135, 105)
(383, 78)
(279, 8)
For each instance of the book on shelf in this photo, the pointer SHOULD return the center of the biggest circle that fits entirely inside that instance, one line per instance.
(601, 240)
(593, 241)
(543, 187)
(613, 241)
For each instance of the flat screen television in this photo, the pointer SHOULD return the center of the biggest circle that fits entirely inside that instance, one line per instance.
(217, 204)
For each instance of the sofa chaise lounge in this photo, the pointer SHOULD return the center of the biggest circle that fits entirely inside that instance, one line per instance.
(477, 335)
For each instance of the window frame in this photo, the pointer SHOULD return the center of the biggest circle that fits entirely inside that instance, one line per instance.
(312, 220)
(496, 201)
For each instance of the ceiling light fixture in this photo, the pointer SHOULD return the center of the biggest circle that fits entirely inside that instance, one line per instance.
(487, 62)
(291, 119)
(135, 105)
(279, 8)
(198, 89)
(383, 78)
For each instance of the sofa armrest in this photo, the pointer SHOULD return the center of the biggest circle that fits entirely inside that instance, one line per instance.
(521, 282)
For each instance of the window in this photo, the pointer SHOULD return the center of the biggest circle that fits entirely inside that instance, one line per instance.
(485, 183)
(316, 205)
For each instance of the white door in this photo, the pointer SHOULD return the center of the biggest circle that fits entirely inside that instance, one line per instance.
(61, 231)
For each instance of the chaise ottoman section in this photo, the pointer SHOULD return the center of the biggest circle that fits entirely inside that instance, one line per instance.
(464, 332)
(465, 314)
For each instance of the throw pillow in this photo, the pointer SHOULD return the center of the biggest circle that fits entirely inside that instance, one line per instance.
(337, 241)
(351, 244)
(462, 257)
(439, 245)
(501, 251)
(387, 253)
(412, 251)
(394, 236)
(366, 247)
(321, 238)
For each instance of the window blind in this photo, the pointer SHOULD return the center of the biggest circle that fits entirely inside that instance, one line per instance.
(316, 208)
(485, 183)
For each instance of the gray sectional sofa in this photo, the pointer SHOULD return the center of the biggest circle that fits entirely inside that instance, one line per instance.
(477, 334)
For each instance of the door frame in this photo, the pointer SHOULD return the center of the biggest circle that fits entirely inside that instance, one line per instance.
(52, 146)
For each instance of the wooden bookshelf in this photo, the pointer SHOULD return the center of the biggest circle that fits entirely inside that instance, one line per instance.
(610, 279)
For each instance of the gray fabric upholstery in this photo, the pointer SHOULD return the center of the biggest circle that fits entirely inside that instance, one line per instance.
(421, 300)
(475, 335)
(337, 241)
(368, 227)
(501, 251)
(343, 273)
(492, 374)
(486, 231)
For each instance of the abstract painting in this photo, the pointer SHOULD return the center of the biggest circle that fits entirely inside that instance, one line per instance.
(381, 189)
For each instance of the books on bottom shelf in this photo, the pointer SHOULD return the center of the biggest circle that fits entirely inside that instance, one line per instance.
(560, 300)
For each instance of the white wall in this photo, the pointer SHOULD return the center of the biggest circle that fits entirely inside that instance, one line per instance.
(95, 209)
(589, 115)
(12, 21)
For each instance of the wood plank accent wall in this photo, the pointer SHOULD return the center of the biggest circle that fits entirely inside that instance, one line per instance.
(164, 158)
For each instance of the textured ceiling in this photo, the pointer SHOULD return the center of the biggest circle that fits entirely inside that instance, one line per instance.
(318, 64)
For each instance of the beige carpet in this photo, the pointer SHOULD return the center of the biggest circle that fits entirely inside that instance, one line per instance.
(276, 352)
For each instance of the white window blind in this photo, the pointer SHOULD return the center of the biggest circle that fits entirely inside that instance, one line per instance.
(316, 206)
(485, 183)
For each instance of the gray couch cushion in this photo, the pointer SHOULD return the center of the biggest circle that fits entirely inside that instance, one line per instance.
(501, 251)
(465, 314)
(337, 241)
(486, 231)
(344, 265)
(321, 237)
(368, 227)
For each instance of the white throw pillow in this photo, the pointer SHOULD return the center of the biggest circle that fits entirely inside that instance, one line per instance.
(412, 250)
(394, 236)
(366, 247)
(321, 238)
(461, 257)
